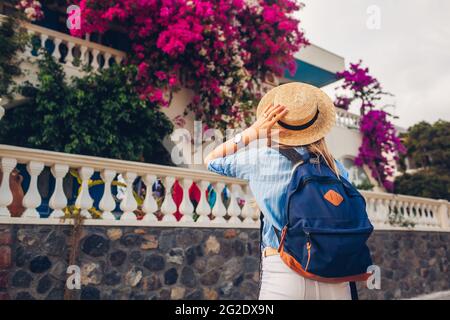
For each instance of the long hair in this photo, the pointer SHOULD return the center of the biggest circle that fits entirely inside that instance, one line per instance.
(320, 149)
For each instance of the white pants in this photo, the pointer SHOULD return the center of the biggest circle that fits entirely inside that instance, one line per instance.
(279, 282)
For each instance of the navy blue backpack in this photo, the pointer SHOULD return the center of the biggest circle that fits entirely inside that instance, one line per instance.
(327, 224)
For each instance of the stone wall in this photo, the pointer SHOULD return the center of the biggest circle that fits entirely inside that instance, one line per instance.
(187, 263)
(412, 263)
(130, 263)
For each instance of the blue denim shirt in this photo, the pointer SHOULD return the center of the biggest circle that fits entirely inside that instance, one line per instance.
(268, 174)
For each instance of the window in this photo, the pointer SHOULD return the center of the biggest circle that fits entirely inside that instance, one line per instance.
(357, 175)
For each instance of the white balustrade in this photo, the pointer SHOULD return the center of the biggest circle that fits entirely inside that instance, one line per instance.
(32, 198)
(70, 58)
(57, 51)
(58, 200)
(28, 48)
(42, 41)
(443, 213)
(423, 214)
(371, 210)
(168, 207)
(203, 208)
(107, 203)
(256, 212)
(95, 65)
(247, 210)
(84, 201)
(129, 203)
(84, 58)
(347, 119)
(73, 44)
(149, 206)
(233, 210)
(384, 211)
(186, 206)
(219, 211)
(107, 62)
(6, 196)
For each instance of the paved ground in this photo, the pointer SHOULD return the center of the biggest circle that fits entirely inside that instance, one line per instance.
(443, 295)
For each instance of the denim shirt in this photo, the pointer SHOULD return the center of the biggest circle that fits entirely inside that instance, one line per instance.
(268, 174)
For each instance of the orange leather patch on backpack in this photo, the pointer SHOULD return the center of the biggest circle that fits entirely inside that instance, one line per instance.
(333, 197)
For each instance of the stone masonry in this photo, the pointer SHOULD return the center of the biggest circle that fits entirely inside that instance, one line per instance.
(188, 263)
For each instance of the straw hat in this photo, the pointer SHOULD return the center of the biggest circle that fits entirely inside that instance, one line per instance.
(311, 113)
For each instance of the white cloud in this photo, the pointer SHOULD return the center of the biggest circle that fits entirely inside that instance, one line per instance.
(410, 54)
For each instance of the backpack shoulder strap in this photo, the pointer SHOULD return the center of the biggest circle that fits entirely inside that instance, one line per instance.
(293, 155)
(354, 291)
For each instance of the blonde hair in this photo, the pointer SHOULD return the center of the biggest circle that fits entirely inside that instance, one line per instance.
(320, 149)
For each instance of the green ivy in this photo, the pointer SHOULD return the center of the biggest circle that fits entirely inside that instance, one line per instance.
(12, 41)
(99, 115)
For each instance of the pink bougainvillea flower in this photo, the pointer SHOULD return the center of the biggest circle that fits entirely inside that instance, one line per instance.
(173, 81)
(161, 75)
(221, 49)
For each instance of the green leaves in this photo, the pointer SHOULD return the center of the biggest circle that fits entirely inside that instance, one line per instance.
(429, 145)
(12, 41)
(429, 183)
(428, 149)
(100, 115)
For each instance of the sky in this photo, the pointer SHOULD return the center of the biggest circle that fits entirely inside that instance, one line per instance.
(409, 53)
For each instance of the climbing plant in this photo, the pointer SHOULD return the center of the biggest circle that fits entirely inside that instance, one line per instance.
(381, 145)
(100, 114)
(12, 41)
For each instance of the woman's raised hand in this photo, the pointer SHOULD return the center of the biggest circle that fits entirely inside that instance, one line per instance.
(270, 116)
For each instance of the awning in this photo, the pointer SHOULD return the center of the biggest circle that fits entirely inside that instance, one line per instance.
(316, 66)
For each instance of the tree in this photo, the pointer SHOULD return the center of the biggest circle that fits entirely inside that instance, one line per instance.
(428, 148)
(429, 145)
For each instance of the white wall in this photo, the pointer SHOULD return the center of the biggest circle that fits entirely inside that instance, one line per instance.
(344, 142)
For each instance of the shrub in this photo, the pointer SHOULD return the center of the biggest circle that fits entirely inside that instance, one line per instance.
(11, 41)
(99, 115)
(426, 183)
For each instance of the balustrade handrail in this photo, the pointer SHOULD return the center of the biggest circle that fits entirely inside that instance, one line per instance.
(351, 120)
(98, 163)
(346, 112)
(422, 213)
(72, 52)
(68, 38)
(23, 155)
(71, 39)
(399, 197)
(347, 119)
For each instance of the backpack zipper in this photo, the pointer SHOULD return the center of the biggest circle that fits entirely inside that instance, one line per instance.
(308, 248)
(322, 180)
